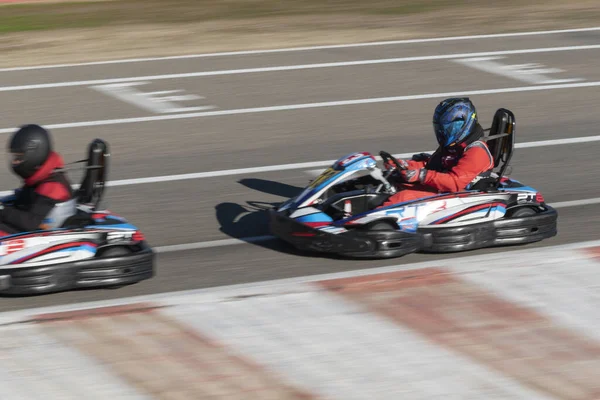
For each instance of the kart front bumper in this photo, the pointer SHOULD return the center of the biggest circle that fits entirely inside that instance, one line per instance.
(355, 243)
(89, 273)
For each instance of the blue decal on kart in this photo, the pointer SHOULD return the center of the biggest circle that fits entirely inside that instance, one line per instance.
(316, 217)
(396, 212)
(408, 225)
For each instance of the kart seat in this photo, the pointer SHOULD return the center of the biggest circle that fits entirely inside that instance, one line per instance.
(376, 200)
(501, 139)
(501, 143)
(92, 186)
(59, 214)
(79, 219)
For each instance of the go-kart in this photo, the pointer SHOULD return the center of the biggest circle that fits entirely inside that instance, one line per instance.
(340, 212)
(79, 245)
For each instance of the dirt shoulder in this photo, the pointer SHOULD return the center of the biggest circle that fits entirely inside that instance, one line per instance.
(33, 36)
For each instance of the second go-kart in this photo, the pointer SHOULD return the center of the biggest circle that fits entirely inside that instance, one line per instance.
(80, 245)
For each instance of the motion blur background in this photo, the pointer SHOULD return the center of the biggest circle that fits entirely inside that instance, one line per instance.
(40, 31)
(551, 78)
(150, 141)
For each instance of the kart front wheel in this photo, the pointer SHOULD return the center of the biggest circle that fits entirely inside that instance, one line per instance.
(382, 226)
(116, 251)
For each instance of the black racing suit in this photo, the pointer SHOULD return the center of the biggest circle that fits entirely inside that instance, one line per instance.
(33, 202)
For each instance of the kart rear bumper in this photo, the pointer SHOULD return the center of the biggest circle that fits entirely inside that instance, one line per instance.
(502, 232)
(357, 244)
(94, 272)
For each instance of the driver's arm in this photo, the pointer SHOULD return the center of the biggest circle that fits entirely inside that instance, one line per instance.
(418, 161)
(8, 198)
(46, 196)
(28, 220)
(476, 160)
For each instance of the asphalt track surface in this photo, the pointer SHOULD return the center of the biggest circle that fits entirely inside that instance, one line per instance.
(275, 108)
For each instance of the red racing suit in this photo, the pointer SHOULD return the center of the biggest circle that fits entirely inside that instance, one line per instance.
(36, 198)
(445, 172)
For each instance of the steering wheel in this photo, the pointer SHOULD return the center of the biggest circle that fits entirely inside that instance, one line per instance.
(385, 156)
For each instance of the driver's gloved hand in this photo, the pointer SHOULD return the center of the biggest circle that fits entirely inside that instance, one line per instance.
(421, 157)
(390, 165)
(413, 175)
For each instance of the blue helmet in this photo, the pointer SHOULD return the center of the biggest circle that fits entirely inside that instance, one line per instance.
(454, 121)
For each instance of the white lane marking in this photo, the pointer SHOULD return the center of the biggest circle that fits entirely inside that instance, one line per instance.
(558, 142)
(213, 174)
(150, 101)
(576, 203)
(310, 164)
(298, 49)
(530, 73)
(197, 296)
(316, 172)
(264, 238)
(289, 107)
(280, 68)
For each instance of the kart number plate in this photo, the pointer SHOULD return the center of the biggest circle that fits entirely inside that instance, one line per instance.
(11, 246)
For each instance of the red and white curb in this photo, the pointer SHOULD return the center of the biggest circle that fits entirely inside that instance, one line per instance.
(510, 325)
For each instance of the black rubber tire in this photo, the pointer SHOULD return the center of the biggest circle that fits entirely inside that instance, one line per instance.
(521, 212)
(116, 251)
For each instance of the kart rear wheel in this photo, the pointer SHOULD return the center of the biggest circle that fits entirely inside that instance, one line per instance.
(116, 251)
(520, 212)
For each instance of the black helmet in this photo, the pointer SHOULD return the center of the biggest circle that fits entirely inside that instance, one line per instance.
(33, 145)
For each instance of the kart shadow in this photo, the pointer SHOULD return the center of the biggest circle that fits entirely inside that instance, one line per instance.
(250, 222)
(271, 187)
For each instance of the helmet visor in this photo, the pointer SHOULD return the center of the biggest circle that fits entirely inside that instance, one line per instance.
(450, 132)
(16, 158)
(439, 132)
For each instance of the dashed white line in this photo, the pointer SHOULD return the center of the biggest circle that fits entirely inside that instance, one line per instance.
(280, 68)
(576, 203)
(530, 73)
(301, 49)
(150, 101)
(557, 142)
(290, 107)
(306, 165)
(313, 164)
